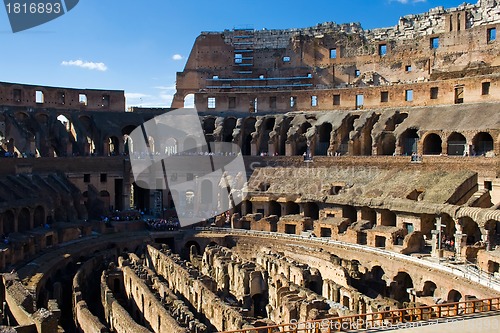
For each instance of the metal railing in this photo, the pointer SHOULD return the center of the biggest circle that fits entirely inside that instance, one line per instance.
(393, 319)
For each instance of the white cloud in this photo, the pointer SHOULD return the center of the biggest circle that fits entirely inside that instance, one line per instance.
(86, 64)
(177, 57)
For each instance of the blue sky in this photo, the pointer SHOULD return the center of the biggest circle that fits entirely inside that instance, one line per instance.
(138, 46)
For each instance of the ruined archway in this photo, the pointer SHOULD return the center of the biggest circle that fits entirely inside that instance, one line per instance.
(39, 217)
(9, 222)
(401, 283)
(454, 296)
(387, 144)
(324, 137)
(266, 129)
(483, 143)
(248, 129)
(456, 144)
(23, 220)
(433, 144)
(408, 141)
(228, 128)
(471, 229)
(429, 289)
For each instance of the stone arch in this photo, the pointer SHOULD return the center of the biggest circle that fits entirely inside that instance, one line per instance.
(401, 282)
(386, 144)
(324, 138)
(9, 222)
(471, 229)
(429, 289)
(228, 127)
(408, 141)
(454, 296)
(112, 146)
(189, 145)
(196, 245)
(266, 129)
(483, 143)
(432, 144)
(456, 144)
(188, 100)
(246, 139)
(301, 144)
(39, 217)
(23, 220)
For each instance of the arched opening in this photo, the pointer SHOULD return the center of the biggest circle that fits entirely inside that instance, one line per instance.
(189, 197)
(395, 121)
(39, 217)
(189, 101)
(113, 146)
(70, 129)
(387, 144)
(209, 128)
(454, 296)
(373, 282)
(429, 289)
(171, 147)
(401, 282)
(206, 192)
(190, 145)
(274, 208)
(267, 128)
(292, 208)
(193, 244)
(483, 143)
(9, 222)
(311, 210)
(471, 229)
(456, 144)
(23, 220)
(248, 129)
(128, 142)
(409, 141)
(301, 147)
(433, 144)
(259, 306)
(324, 136)
(228, 128)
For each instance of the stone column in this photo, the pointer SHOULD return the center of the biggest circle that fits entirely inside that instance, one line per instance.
(460, 243)
(435, 244)
(486, 238)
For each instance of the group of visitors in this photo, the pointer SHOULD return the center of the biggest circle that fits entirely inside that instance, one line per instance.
(447, 243)
(170, 224)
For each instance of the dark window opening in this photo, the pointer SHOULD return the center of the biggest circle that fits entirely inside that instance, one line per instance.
(232, 102)
(104, 177)
(189, 177)
(272, 102)
(326, 232)
(434, 92)
(379, 241)
(16, 95)
(488, 185)
(485, 88)
(290, 229)
(86, 178)
(459, 95)
(105, 101)
(408, 68)
(61, 98)
(384, 96)
(336, 99)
